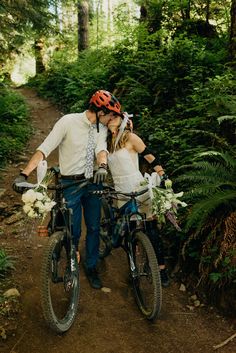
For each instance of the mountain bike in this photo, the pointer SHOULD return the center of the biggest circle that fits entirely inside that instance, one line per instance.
(125, 227)
(60, 284)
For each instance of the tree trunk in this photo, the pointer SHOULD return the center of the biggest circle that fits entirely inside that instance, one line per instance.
(232, 39)
(83, 19)
(208, 11)
(109, 16)
(187, 12)
(151, 18)
(38, 48)
(143, 13)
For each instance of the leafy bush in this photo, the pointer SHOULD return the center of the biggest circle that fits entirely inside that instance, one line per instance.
(14, 127)
(211, 220)
(71, 85)
(6, 262)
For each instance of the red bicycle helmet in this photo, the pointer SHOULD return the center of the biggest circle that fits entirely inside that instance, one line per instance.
(106, 101)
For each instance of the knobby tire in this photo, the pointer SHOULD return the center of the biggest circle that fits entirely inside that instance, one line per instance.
(147, 282)
(59, 299)
(105, 230)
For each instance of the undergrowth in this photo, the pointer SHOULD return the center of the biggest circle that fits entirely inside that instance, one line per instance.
(14, 124)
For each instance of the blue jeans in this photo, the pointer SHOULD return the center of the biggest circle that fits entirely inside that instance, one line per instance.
(91, 205)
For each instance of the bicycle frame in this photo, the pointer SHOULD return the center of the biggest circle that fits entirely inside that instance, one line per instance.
(126, 227)
(61, 216)
(134, 221)
(60, 284)
(127, 215)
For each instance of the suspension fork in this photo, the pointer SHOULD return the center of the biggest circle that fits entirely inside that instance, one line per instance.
(130, 253)
(70, 248)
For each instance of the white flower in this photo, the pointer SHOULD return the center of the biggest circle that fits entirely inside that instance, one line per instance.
(181, 203)
(29, 196)
(32, 214)
(39, 196)
(27, 208)
(167, 205)
(41, 208)
(49, 205)
(180, 194)
(38, 204)
(36, 201)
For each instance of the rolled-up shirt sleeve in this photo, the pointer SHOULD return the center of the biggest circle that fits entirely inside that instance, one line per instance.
(102, 140)
(54, 138)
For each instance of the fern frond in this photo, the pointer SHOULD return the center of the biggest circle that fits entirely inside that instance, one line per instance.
(213, 136)
(225, 157)
(208, 174)
(207, 190)
(226, 117)
(206, 207)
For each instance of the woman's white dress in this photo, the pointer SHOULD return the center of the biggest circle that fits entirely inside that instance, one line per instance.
(124, 167)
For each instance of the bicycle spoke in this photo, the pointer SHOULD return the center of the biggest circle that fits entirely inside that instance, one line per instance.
(60, 286)
(146, 281)
(105, 245)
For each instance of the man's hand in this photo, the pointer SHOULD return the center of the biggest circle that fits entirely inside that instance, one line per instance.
(101, 174)
(20, 179)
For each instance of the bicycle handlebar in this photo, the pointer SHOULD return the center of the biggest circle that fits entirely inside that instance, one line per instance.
(111, 192)
(107, 191)
(27, 186)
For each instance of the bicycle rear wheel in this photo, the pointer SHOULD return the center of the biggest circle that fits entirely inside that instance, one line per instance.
(59, 284)
(105, 240)
(146, 277)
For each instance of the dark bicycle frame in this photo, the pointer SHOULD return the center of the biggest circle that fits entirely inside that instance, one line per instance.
(60, 236)
(125, 213)
(125, 227)
(61, 215)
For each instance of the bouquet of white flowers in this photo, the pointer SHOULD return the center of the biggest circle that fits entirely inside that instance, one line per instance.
(37, 202)
(164, 201)
(165, 204)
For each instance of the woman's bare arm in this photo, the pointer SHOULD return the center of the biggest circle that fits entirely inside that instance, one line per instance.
(139, 146)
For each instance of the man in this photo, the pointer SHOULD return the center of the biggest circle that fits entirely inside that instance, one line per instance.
(81, 137)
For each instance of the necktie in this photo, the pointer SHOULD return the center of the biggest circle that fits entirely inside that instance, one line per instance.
(90, 153)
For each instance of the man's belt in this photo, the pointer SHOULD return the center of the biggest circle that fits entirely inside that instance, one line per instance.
(73, 177)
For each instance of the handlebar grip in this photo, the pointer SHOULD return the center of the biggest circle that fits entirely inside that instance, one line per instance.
(26, 185)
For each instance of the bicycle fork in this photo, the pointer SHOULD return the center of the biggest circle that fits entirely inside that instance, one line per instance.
(130, 253)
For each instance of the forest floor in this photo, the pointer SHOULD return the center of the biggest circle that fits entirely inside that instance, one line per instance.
(106, 322)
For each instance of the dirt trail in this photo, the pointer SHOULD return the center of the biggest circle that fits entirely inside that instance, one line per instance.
(107, 322)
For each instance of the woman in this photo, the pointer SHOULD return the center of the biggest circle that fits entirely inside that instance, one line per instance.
(124, 147)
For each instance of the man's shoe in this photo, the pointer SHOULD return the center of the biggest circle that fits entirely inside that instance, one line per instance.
(164, 278)
(93, 278)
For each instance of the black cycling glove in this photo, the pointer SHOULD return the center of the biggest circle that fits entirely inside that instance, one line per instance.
(20, 179)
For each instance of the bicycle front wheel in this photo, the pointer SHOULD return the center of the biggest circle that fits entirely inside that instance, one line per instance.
(59, 284)
(146, 277)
